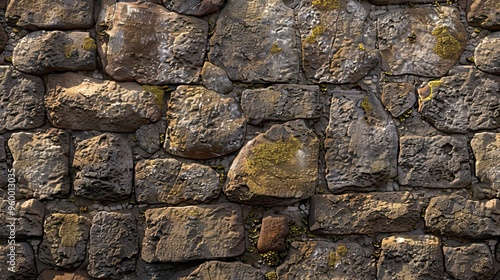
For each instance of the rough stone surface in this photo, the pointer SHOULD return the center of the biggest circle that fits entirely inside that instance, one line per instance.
(194, 7)
(65, 240)
(464, 100)
(113, 244)
(323, 260)
(176, 234)
(21, 100)
(469, 262)
(77, 102)
(25, 267)
(173, 182)
(41, 163)
(51, 14)
(42, 52)
(243, 23)
(434, 162)
(398, 98)
(487, 52)
(363, 213)
(420, 41)
(361, 143)
(224, 271)
(397, 2)
(61, 275)
(410, 257)
(276, 167)
(3, 38)
(281, 103)
(215, 78)
(203, 124)
(4, 175)
(486, 148)
(148, 138)
(273, 233)
(455, 215)
(151, 45)
(29, 218)
(338, 41)
(485, 14)
(104, 168)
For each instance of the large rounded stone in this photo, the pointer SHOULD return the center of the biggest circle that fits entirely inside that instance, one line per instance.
(487, 54)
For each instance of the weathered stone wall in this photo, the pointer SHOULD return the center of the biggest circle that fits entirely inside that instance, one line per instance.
(250, 139)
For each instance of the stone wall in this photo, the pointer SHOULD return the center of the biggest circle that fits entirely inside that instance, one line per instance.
(250, 139)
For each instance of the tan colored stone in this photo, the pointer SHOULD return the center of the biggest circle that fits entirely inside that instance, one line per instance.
(29, 216)
(468, 262)
(23, 262)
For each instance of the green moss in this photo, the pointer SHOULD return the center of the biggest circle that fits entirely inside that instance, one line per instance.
(276, 49)
(157, 91)
(89, 44)
(334, 257)
(342, 251)
(271, 154)
(327, 5)
(315, 32)
(273, 258)
(366, 105)
(271, 275)
(447, 45)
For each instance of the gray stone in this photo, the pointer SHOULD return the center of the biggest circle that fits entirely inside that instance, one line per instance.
(255, 41)
(465, 100)
(487, 52)
(81, 103)
(457, 216)
(194, 7)
(41, 161)
(175, 234)
(170, 181)
(24, 265)
(65, 240)
(215, 78)
(420, 41)
(279, 166)
(21, 100)
(203, 124)
(4, 180)
(104, 168)
(398, 98)
(361, 143)
(469, 262)
(223, 271)
(485, 14)
(50, 14)
(486, 150)
(4, 38)
(321, 260)
(411, 257)
(434, 162)
(281, 103)
(273, 233)
(398, 2)
(338, 41)
(364, 213)
(151, 45)
(148, 138)
(3, 155)
(113, 245)
(29, 218)
(42, 52)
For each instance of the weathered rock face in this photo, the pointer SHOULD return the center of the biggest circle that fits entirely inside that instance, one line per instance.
(41, 163)
(462, 101)
(397, 2)
(410, 257)
(325, 260)
(148, 138)
(21, 100)
(81, 103)
(224, 271)
(151, 45)
(273, 233)
(51, 14)
(277, 167)
(485, 51)
(457, 216)
(3, 38)
(176, 234)
(487, 153)
(65, 240)
(170, 181)
(42, 52)
(420, 41)
(104, 168)
(472, 261)
(113, 244)
(243, 23)
(338, 41)
(215, 78)
(363, 213)
(434, 162)
(61, 275)
(485, 14)
(203, 124)
(398, 98)
(24, 265)
(281, 103)
(29, 219)
(361, 143)
(194, 7)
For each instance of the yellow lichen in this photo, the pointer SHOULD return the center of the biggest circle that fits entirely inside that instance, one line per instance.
(158, 93)
(271, 154)
(70, 232)
(276, 49)
(326, 4)
(447, 45)
(315, 32)
(361, 47)
(366, 105)
(68, 50)
(334, 257)
(432, 85)
(89, 44)
(271, 275)
(342, 251)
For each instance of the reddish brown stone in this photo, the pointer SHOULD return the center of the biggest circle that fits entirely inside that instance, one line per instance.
(60, 275)
(273, 234)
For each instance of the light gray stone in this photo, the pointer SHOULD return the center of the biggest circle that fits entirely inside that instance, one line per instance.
(487, 53)
(223, 271)
(469, 262)
(485, 14)
(398, 98)
(486, 148)
(194, 7)
(215, 78)
(148, 138)
(29, 216)
(23, 264)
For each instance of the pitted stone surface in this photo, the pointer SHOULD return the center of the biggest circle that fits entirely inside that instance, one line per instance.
(21, 100)
(176, 234)
(486, 148)
(457, 216)
(148, 138)
(276, 167)
(420, 41)
(281, 103)
(113, 245)
(224, 271)
(215, 78)
(24, 266)
(104, 168)
(81, 103)
(203, 124)
(65, 240)
(398, 98)
(273, 233)
(41, 161)
(434, 162)
(473, 261)
(338, 41)
(29, 216)
(151, 45)
(4, 38)
(485, 14)
(194, 7)
(487, 52)
(465, 100)
(255, 42)
(323, 260)
(61, 275)
(361, 143)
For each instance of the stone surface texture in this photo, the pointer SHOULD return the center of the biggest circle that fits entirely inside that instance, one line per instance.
(486, 148)
(215, 78)
(24, 261)
(61, 275)
(224, 271)
(486, 54)
(485, 14)
(29, 218)
(473, 261)
(193, 7)
(398, 98)
(273, 233)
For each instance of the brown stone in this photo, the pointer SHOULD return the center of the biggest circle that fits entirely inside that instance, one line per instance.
(398, 98)
(472, 261)
(47, 274)
(24, 265)
(29, 216)
(215, 78)
(273, 232)
(486, 150)
(223, 271)
(194, 7)
(485, 51)
(485, 14)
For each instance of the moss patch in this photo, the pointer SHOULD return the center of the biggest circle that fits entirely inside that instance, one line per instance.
(366, 105)
(327, 5)
(447, 45)
(315, 32)
(276, 49)
(271, 275)
(334, 257)
(157, 91)
(70, 232)
(89, 44)
(270, 154)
